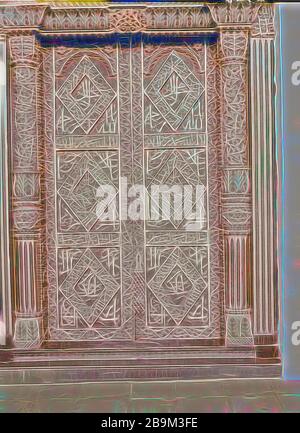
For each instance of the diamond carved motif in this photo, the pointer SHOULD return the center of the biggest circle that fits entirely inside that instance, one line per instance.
(177, 285)
(79, 188)
(89, 287)
(86, 94)
(86, 190)
(174, 90)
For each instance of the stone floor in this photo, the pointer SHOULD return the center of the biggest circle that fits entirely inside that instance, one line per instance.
(155, 397)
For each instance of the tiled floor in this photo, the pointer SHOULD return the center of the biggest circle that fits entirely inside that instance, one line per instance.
(155, 397)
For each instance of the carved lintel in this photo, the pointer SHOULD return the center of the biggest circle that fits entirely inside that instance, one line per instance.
(105, 18)
(233, 13)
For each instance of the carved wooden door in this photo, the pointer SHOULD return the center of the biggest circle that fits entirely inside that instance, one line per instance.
(144, 110)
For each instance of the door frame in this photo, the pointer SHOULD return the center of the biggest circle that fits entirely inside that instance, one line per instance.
(246, 36)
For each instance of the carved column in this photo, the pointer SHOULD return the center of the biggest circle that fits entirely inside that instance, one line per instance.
(5, 287)
(263, 175)
(26, 194)
(234, 20)
(236, 199)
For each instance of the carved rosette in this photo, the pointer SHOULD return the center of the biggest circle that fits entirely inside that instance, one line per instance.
(26, 197)
(236, 199)
(128, 21)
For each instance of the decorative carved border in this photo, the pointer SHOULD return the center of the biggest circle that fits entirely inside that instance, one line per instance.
(127, 18)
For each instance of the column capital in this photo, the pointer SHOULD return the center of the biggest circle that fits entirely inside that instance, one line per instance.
(21, 16)
(263, 26)
(23, 50)
(234, 45)
(234, 13)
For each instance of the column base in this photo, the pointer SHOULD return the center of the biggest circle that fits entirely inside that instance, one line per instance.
(238, 329)
(27, 333)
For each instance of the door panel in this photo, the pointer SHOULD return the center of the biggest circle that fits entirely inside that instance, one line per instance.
(139, 110)
(179, 300)
(86, 295)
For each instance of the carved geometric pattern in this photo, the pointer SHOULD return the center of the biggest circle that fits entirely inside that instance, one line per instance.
(237, 215)
(182, 292)
(27, 219)
(125, 20)
(174, 90)
(85, 96)
(86, 300)
(80, 306)
(177, 167)
(90, 281)
(21, 15)
(177, 283)
(80, 175)
(81, 18)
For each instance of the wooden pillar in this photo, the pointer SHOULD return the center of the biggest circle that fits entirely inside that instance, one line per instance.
(25, 189)
(236, 199)
(263, 176)
(5, 282)
(234, 21)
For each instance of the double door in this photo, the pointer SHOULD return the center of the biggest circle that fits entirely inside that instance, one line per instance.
(130, 123)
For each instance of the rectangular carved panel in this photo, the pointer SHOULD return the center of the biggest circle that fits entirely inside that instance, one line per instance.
(181, 299)
(86, 297)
